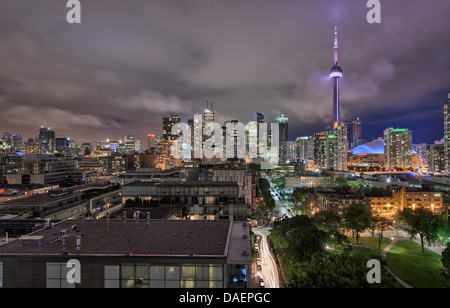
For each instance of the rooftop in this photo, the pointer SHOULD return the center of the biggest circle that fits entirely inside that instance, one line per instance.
(39, 200)
(162, 237)
(187, 183)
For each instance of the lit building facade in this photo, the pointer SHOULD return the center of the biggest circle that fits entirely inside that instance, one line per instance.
(404, 198)
(447, 134)
(168, 123)
(436, 158)
(340, 144)
(398, 147)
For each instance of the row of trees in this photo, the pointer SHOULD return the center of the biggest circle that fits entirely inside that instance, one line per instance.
(268, 205)
(319, 252)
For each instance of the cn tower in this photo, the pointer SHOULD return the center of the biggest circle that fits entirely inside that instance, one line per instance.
(336, 74)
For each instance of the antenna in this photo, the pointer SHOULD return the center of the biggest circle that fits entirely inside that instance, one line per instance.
(335, 42)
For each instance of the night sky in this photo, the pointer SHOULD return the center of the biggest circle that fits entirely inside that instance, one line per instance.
(129, 63)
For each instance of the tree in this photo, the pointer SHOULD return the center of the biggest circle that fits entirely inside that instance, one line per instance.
(331, 223)
(446, 260)
(379, 223)
(338, 271)
(357, 217)
(279, 182)
(340, 181)
(300, 236)
(423, 222)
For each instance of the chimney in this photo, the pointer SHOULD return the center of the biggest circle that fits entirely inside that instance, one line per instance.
(64, 243)
(148, 219)
(78, 242)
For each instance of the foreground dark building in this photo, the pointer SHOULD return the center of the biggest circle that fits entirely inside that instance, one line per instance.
(129, 254)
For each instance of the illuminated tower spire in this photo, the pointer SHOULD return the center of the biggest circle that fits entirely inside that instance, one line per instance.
(335, 45)
(336, 74)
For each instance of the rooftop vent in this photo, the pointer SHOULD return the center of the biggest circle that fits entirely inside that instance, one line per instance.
(48, 223)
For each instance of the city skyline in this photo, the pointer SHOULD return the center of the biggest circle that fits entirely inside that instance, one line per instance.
(224, 144)
(129, 75)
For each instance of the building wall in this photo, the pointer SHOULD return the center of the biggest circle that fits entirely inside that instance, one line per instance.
(401, 199)
(114, 272)
(308, 181)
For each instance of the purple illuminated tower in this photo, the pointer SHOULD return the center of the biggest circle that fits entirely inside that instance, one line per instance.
(336, 74)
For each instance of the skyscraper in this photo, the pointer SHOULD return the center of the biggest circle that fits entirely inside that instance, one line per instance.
(336, 73)
(129, 143)
(302, 149)
(152, 142)
(259, 117)
(208, 115)
(447, 134)
(260, 145)
(47, 138)
(436, 158)
(320, 150)
(7, 138)
(398, 147)
(356, 133)
(283, 129)
(51, 140)
(17, 142)
(168, 123)
(340, 146)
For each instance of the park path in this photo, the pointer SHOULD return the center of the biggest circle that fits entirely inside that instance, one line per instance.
(383, 254)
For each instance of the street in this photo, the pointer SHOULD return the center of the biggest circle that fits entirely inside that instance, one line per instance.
(269, 267)
(281, 205)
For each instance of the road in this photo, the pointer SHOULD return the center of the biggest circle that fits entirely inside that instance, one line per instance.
(269, 267)
(282, 206)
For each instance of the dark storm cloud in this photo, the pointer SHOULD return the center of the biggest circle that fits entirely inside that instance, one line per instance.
(131, 62)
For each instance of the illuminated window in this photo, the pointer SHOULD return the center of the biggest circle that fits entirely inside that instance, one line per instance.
(169, 276)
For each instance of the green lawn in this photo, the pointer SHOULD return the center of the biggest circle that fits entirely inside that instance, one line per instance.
(405, 259)
(371, 242)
